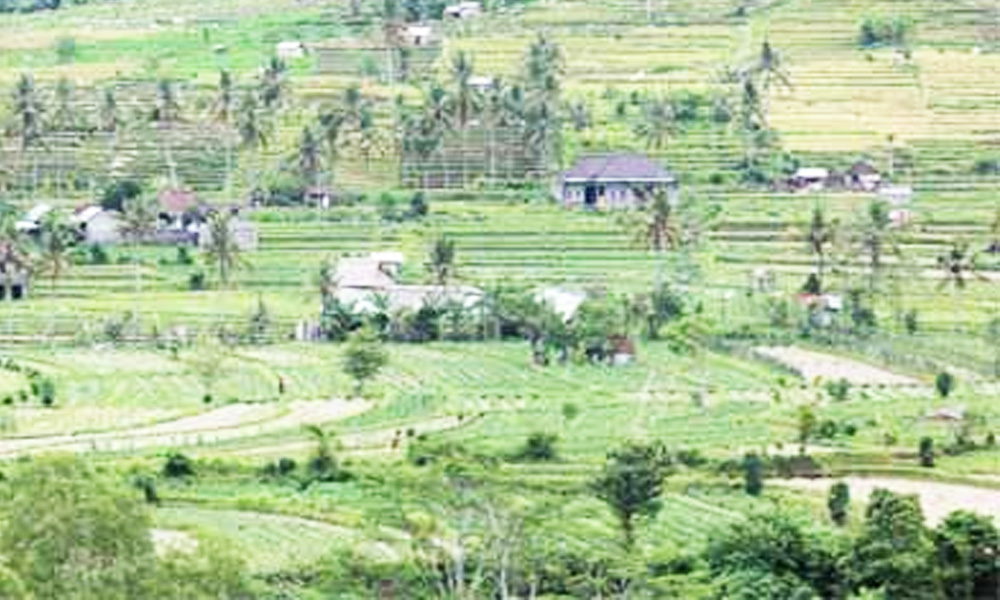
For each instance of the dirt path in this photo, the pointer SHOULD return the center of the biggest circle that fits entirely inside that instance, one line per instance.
(813, 366)
(937, 499)
(230, 422)
(386, 439)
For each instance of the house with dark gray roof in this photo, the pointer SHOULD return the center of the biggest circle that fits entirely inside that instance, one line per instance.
(615, 181)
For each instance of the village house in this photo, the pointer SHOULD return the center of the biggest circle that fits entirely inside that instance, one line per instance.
(96, 225)
(32, 220)
(812, 179)
(617, 181)
(464, 10)
(863, 176)
(370, 283)
(416, 35)
(290, 50)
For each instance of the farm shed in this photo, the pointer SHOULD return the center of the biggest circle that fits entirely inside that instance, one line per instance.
(96, 225)
(615, 181)
(810, 178)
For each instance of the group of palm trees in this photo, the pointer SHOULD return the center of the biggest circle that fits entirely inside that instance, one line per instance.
(531, 107)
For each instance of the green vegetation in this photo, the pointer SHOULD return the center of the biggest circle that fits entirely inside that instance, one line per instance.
(682, 400)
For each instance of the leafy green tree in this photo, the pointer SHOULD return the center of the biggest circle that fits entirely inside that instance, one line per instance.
(72, 532)
(967, 546)
(364, 357)
(838, 502)
(209, 571)
(441, 260)
(631, 483)
(11, 586)
(774, 556)
(894, 552)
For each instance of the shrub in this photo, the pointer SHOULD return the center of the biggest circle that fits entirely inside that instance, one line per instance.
(419, 207)
(570, 411)
(911, 322)
(66, 50)
(944, 383)
(117, 193)
(178, 465)
(838, 389)
(184, 256)
(98, 255)
(539, 447)
(197, 281)
(753, 474)
(147, 485)
(926, 452)
(878, 31)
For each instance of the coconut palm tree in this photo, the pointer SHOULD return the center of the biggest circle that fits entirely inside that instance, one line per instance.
(543, 69)
(108, 117)
(331, 124)
(222, 114)
(466, 100)
(769, 68)
(821, 235)
(252, 132)
(64, 118)
(309, 157)
(658, 124)
(877, 239)
(54, 243)
(323, 464)
(166, 114)
(137, 224)
(657, 229)
(441, 260)
(957, 265)
(221, 247)
(28, 111)
(273, 83)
